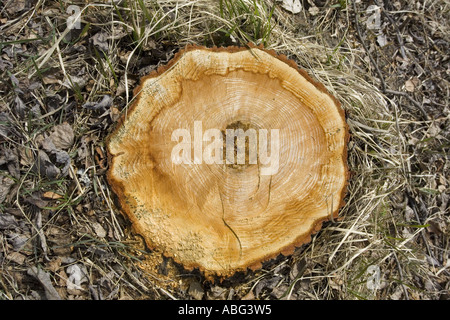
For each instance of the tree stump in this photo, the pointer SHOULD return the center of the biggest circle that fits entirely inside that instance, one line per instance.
(228, 157)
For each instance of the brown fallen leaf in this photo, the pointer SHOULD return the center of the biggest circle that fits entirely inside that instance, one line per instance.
(7, 221)
(62, 136)
(51, 195)
(45, 167)
(249, 296)
(15, 7)
(100, 40)
(103, 105)
(5, 185)
(16, 257)
(7, 129)
(196, 291)
(114, 114)
(26, 156)
(44, 278)
(36, 200)
(10, 158)
(51, 79)
(409, 86)
(20, 241)
(54, 264)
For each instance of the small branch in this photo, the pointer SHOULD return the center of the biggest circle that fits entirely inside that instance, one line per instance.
(404, 94)
(405, 292)
(412, 203)
(378, 71)
(392, 21)
(375, 65)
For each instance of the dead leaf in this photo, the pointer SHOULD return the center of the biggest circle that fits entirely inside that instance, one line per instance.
(313, 11)
(437, 226)
(10, 158)
(74, 81)
(18, 240)
(103, 105)
(7, 221)
(5, 64)
(37, 201)
(298, 269)
(44, 278)
(20, 107)
(280, 292)
(409, 214)
(99, 230)
(114, 114)
(62, 157)
(409, 86)
(50, 79)
(293, 6)
(196, 291)
(62, 278)
(14, 7)
(266, 283)
(45, 167)
(62, 136)
(77, 275)
(51, 195)
(382, 40)
(16, 257)
(26, 156)
(100, 40)
(5, 186)
(217, 293)
(6, 127)
(54, 264)
(397, 293)
(249, 296)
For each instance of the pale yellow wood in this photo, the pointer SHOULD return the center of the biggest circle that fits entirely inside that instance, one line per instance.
(224, 218)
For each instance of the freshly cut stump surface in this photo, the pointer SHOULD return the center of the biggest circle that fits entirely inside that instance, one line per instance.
(230, 216)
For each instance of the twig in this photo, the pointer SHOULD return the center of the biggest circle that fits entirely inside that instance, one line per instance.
(358, 31)
(401, 276)
(6, 292)
(413, 205)
(404, 94)
(392, 21)
(378, 71)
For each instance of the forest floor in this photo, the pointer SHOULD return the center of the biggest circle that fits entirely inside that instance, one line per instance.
(64, 82)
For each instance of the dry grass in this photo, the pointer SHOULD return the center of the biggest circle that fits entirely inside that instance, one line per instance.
(397, 213)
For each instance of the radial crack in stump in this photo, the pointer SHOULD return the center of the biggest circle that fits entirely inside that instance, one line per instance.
(229, 157)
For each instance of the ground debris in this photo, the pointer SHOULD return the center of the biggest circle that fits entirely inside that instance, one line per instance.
(44, 166)
(7, 221)
(105, 103)
(46, 282)
(62, 136)
(293, 6)
(61, 97)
